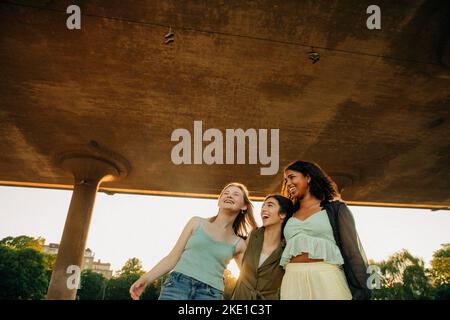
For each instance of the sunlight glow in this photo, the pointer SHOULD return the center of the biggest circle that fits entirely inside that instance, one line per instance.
(234, 269)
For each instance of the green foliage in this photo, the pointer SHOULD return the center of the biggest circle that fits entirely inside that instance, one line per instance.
(49, 261)
(152, 291)
(93, 286)
(443, 252)
(118, 288)
(440, 273)
(25, 273)
(132, 266)
(403, 277)
(22, 242)
(440, 267)
(22, 274)
(442, 292)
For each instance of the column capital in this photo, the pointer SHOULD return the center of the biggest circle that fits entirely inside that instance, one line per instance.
(93, 164)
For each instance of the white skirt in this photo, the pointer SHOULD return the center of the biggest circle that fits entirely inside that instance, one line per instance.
(314, 281)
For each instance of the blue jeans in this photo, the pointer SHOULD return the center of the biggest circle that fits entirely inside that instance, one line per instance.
(181, 287)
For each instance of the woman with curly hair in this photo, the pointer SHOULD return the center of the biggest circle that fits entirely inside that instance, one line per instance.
(323, 258)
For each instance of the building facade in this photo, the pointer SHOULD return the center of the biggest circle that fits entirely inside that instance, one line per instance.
(103, 268)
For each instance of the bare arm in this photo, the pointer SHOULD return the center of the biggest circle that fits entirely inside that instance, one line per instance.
(167, 263)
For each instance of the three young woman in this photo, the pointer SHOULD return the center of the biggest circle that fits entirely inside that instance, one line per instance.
(203, 250)
(322, 257)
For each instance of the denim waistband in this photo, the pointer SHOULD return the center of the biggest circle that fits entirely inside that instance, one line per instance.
(178, 276)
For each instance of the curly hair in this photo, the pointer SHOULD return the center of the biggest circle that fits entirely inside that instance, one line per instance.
(321, 185)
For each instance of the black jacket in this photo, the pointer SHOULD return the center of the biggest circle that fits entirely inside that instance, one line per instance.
(346, 237)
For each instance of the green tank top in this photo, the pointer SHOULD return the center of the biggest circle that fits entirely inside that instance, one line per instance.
(205, 259)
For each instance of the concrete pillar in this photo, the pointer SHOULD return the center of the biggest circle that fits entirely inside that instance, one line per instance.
(89, 172)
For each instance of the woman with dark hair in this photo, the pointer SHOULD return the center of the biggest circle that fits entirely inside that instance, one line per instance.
(323, 258)
(261, 273)
(203, 250)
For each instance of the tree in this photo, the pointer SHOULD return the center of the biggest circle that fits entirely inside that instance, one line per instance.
(49, 261)
(132, 266)
(22, 274)
(92, 286)
(119, 286)
(153, 290)
(440, 272)
(403, 276)
(22, 242)
(440, 266)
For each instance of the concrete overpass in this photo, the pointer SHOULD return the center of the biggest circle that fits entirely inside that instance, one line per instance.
(100, 104)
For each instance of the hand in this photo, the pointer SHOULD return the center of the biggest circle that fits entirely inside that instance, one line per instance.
(137, 288)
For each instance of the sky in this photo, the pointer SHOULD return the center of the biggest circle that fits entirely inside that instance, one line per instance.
(146, 227)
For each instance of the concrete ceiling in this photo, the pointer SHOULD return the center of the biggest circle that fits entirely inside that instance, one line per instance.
(374, 111)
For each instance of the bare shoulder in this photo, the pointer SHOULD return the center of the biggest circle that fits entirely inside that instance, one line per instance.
(194, 222)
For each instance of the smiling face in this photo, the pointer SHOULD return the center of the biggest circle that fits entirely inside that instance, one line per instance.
(270, 213)
(297, 185)
(232, 199)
